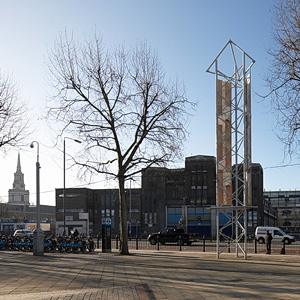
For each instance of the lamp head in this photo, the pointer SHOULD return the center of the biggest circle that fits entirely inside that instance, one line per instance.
(31, 145)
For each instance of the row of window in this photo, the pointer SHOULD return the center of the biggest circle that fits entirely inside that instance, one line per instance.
(282, 194)
(71, 210)
(285, 204)
(150, 218)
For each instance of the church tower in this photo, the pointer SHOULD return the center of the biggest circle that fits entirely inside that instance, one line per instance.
(18, 194)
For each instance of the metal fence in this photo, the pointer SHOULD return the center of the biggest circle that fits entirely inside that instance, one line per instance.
(206, 245)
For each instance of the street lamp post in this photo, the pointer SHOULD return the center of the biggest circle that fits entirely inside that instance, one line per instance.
(38, 234)
(130, 209)
(64, 188)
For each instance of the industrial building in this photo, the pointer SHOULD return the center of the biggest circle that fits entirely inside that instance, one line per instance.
(167, 197)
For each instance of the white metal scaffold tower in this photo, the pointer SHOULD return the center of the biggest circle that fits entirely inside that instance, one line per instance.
(233, 143)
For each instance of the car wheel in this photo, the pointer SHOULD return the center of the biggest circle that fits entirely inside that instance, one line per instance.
(261, 240)
(152, 242)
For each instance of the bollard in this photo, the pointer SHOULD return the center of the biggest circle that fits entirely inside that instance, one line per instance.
(137, 243)
(98, 238)
(228, 246)
(158, 243)
(283, 247)
(255, 245)
(180, 242)
(204, 243)
(117, 241)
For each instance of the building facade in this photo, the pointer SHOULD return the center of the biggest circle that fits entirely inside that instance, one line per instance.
(85, 209)
(184, 197)
(287, 208)
(168, 197)
(173, 197)
(263, 214)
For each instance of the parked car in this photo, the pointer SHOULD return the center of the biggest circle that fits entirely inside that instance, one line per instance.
(278, 235)
(23, 232)
(172, 235)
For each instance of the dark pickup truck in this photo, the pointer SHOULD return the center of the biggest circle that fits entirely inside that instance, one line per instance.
(172, 235)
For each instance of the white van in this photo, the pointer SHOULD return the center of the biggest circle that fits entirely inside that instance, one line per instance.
(278, 235)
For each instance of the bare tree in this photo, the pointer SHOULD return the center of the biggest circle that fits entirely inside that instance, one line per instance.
(283, 77)
(4, 209)
(13, 126)
(119, 103)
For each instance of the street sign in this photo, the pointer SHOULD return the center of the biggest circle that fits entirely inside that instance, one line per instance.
(106, 235)
(83, 216)
(106, 221)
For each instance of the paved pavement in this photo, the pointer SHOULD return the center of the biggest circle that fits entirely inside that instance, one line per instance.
(147, 274)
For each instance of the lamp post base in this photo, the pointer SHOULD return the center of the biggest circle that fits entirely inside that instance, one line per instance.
(38, 242)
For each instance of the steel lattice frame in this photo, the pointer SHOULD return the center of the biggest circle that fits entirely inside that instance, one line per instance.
(233, 134)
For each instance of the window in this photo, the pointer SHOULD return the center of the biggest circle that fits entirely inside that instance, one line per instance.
(155, 218)
(102, 201)
(163, 232)
(74, 210)
(174, 215)
(150, 218)
(204, 177)
(277, 232)
(250, 215)
(204, 194)
(174, 193)
(107, 200)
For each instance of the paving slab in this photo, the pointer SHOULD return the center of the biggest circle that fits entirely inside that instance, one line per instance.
(148, 275)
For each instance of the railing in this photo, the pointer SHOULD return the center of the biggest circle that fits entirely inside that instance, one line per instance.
(199, 245)
(206, 245)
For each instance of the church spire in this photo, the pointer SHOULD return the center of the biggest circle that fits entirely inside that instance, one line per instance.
(18, 194)
(19, 163)
(19, 176)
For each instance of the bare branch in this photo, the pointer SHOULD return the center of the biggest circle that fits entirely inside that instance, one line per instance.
(284, 75)
(13, 125)
(120, 105)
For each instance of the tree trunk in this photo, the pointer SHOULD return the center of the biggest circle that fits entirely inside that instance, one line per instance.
(123, 218)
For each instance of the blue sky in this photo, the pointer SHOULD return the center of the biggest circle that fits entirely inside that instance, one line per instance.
(187, 36)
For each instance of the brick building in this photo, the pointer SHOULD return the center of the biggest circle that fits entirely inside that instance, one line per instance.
(173, 196)
(168, 197)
